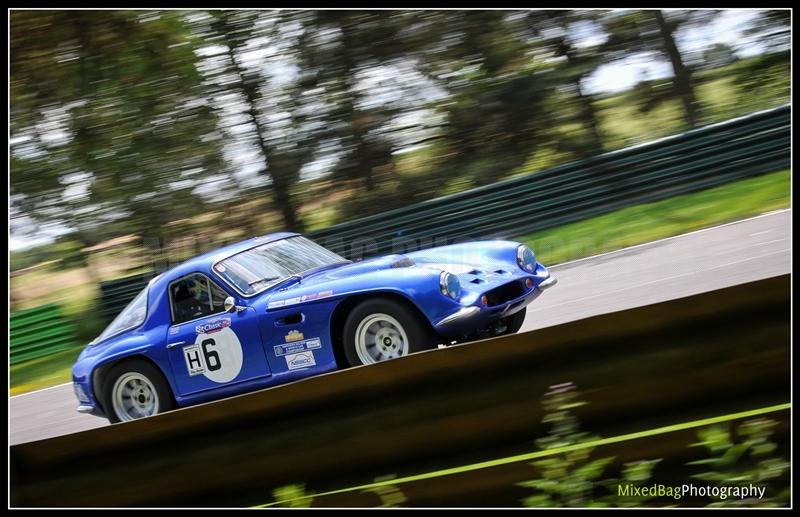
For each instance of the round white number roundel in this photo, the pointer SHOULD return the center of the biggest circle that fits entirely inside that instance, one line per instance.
(221, 354)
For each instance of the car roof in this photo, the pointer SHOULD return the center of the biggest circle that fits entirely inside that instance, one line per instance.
(205, 261)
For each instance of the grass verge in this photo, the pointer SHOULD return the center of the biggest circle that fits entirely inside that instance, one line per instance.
(43, 372)
(651, 221)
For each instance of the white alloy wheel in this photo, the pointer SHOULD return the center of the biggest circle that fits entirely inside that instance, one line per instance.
(380, 337)
(134, 396)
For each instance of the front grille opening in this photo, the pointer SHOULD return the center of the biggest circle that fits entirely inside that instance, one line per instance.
(505, 292)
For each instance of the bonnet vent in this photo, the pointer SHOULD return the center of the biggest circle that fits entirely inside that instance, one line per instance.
(403, 262)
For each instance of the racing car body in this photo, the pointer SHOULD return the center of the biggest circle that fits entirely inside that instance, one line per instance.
(279, 308)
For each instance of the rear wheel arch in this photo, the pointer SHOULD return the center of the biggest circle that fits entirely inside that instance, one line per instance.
(100, 374)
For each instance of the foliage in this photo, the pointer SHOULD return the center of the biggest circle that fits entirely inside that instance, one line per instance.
(749, 460)
(634, 473)
(567, 478)
(555, 36)
(141, 122)
(293, 496)
(651, 221)
(110, 128)
(633, 33)
(391, 496)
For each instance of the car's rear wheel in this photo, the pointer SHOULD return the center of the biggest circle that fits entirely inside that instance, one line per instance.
(135, 389)
(380, 330)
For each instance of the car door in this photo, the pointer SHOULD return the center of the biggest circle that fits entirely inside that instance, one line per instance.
(209, 347)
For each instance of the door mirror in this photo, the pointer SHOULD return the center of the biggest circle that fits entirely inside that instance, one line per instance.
(230, 305)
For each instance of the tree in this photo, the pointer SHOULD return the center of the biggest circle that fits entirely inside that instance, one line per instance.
(718, 55)
(110, 128)
(282, 156)
(553, 32)
(772, 28)
(341, 49)
(761, 76)
(654, 32)
(495, 113)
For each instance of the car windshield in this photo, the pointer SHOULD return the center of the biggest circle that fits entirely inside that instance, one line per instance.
(131, 316)
(259, 268)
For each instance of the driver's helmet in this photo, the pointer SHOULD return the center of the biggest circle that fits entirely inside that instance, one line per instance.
(198, 290)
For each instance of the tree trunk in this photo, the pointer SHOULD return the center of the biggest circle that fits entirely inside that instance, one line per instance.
(683, 78)
(283, 199)
(588, 114)
(280, 187)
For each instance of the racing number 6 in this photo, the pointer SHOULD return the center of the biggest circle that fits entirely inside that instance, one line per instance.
(208, 354)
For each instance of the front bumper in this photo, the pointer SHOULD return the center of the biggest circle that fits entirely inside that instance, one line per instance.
(86, 401)
(550, 282)
(82, 385)
(476, 316)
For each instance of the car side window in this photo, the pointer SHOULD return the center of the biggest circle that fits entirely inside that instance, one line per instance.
(218, 296)
(195, 296)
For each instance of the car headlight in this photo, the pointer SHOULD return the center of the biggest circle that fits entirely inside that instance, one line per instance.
(526, 259)
(449, 285)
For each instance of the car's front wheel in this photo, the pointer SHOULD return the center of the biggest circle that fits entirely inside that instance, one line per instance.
(514, 322)
(379, 330)
(135, 389)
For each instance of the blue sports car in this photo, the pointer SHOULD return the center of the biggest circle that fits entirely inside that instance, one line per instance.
(278, 308)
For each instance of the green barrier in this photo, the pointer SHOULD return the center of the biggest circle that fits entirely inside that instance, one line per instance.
(38, 332)
(116, 294)
(696, 160)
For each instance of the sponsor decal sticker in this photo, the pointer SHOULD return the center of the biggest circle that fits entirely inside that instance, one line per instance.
(300, 299)
(173, 330)
(297, 347)
(300, 360)
(212, 326)
(220, 268)
(294, 335)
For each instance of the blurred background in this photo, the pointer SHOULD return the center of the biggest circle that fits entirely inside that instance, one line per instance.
(137, 136)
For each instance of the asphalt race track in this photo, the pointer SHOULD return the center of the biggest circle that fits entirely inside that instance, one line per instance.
(680, 266)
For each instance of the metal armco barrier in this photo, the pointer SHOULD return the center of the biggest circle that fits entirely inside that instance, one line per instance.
(701, 158)
(38, 332)
(709, 354)
(116, 294)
